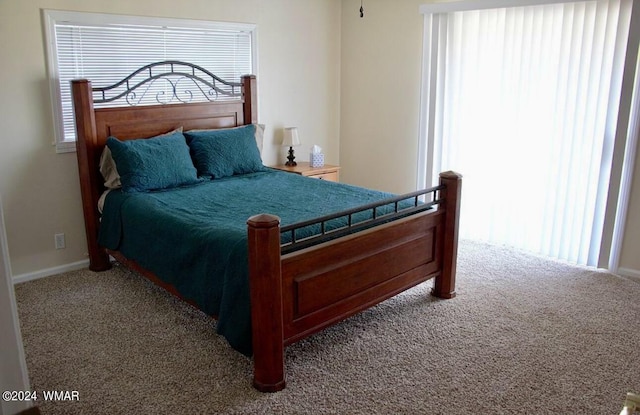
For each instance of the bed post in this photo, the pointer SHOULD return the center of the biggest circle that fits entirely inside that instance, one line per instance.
(249, 93)
(88, 169)
(265, 283)
(445, 283)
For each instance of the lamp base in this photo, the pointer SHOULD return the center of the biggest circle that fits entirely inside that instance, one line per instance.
(291, 157)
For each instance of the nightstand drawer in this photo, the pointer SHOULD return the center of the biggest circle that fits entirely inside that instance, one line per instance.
(326, 172)
(332, 176)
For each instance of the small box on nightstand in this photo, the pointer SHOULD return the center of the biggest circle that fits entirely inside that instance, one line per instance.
(316, 159)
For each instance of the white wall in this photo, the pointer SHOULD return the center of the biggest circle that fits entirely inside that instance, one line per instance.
(13, 368)
(630, 255)
(298, 82)
(380, 93)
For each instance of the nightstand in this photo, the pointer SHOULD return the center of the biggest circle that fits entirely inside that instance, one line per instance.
(326, 172)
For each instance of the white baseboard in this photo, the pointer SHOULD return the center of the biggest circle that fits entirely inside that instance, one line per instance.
(17, 279)
(630, 273)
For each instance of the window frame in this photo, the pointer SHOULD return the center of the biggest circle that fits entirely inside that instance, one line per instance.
(53, 17)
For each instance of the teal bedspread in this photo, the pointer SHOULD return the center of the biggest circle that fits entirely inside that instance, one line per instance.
(195, 237)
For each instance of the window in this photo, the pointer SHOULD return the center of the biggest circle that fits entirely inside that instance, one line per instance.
(531, 96)
(106, 48)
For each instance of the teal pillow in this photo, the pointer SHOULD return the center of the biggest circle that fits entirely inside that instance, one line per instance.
(153, 163)
(225, 152)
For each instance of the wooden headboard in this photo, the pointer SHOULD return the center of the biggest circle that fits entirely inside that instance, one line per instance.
(95, 125)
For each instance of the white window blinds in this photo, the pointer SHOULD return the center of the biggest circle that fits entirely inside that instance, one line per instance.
(528, 98)
(106, 48)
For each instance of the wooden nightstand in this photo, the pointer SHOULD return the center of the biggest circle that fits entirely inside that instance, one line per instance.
(326, 172)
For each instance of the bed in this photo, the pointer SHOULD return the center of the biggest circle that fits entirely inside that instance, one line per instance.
(289, 273)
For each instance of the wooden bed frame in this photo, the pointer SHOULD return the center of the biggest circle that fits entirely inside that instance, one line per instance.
(293, 294)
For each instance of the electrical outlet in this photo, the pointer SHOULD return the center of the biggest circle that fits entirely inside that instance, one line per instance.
(59, 238)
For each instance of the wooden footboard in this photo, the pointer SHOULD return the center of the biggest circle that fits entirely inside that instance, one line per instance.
(297, 294)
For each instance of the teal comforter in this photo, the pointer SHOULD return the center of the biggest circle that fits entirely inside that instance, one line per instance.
(195, 238)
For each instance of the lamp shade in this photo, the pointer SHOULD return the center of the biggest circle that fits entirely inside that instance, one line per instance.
(290, 138)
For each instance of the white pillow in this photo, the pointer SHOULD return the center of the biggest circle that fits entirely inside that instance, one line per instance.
(259, 136)
(108, 170)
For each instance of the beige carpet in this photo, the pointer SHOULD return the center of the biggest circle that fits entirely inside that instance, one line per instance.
(525, 335)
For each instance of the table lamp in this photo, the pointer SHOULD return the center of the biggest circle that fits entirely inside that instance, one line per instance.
(291, 140)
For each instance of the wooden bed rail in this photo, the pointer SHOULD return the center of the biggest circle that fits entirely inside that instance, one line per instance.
(410, 206)
(428, 238)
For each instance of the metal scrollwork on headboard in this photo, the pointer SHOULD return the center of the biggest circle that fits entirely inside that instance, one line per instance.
(166, 82)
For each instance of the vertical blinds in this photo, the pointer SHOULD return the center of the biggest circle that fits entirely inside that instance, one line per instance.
(106, 54)
(528, 97)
